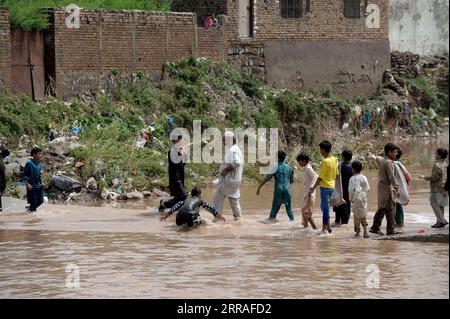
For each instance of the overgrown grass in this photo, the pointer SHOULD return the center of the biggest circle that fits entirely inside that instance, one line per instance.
(25, 14)
(431, 97)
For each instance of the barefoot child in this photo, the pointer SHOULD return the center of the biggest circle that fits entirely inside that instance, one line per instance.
(358, 189)
(329, 171)
(439, 197)
(307, 206)
(284, 177)
(32, 179)
(190, 210)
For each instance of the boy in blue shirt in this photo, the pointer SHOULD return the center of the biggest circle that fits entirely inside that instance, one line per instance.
(284, 177)
(32, 179)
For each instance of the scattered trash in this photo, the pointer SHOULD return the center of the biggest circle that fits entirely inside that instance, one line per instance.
(115, 182)
(140, 142)
(170, 123)
(57, 140)
(76, 131)
(52, 134)
(92, 184)
(79, 165)
(120, 190)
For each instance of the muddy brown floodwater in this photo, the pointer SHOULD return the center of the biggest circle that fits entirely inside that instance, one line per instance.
(128, 253)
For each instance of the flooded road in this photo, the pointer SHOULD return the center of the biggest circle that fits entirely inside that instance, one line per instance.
(128, 253)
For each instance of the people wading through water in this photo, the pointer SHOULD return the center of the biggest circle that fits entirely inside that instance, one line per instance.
(3, 154)
(343, 211)
(177, 158)
(387, 192)
(327, 181)
(438, 182)
(230, 177)
(189, 210)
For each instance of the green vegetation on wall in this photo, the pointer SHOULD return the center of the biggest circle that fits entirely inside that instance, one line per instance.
(25, 13)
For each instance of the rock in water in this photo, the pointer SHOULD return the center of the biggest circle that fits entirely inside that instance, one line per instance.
(135, 195)
(147, 193)
(160, 193)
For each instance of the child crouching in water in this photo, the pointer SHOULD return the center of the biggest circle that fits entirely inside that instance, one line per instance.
(190, 210)
(358, 189)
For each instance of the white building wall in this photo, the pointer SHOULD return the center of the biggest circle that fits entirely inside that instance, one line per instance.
(419, 26)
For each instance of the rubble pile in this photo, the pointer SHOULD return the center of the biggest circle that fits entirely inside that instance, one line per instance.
(405, 64)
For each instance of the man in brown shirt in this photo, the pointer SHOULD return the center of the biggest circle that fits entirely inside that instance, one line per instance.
(439, 197)
(387, 191)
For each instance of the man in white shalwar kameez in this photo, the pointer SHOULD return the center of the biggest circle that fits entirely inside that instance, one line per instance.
(230, 177)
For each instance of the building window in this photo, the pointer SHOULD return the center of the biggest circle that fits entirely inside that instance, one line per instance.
(294, 8)
(352, 8)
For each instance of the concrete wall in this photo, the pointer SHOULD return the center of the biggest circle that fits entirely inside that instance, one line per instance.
(348, 68)
(419, 26)
(5, 51)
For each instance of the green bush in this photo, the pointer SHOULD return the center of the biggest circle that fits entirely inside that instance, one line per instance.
(192, 96)
(432, 98)
(234, 116)
(267, 117)
(251, 86)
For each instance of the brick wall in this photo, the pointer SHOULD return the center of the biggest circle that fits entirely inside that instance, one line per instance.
(325, 21)
(126, 41)
(5, 51)
(203, 8)
(211, 44)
